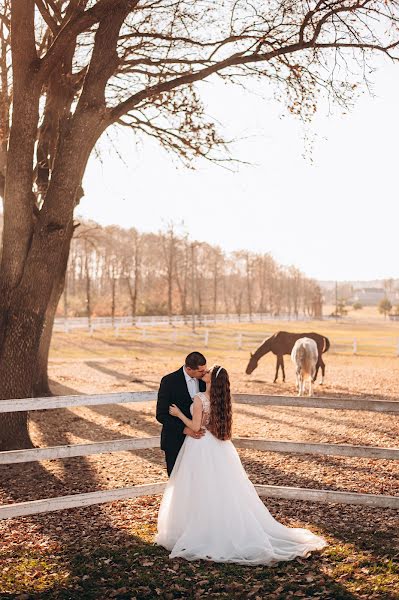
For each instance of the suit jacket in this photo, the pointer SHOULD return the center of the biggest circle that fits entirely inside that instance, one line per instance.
(173, 390)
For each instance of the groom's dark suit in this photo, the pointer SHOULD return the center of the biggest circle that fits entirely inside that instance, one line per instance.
(173, 390)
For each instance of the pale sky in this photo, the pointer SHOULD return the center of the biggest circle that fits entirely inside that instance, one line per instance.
(335, 219)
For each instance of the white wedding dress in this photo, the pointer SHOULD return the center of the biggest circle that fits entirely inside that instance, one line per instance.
(210, 510)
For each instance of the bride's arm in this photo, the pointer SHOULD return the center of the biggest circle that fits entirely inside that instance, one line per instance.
(195, 422)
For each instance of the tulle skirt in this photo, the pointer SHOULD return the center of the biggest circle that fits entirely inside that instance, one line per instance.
(210, 510)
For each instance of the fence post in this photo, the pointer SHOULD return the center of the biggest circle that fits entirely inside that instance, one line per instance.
(397, 349)
(206, 338)
(354, 345)
(66, 326)
(144, 333)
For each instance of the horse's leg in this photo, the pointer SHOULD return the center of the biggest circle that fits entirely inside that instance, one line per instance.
(277, 368)
(302, 384)
(323, 370)
(282, 368)
(318, 365)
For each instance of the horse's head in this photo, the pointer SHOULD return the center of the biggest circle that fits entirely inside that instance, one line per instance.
(252, 364)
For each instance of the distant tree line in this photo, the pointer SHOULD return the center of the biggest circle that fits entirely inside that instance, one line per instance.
(114, 271)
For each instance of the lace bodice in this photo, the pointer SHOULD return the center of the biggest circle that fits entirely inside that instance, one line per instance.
(206, 406)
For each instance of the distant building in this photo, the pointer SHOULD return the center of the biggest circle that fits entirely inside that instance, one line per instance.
(372, 296)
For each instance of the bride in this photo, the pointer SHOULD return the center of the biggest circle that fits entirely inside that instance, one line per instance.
(210, 510)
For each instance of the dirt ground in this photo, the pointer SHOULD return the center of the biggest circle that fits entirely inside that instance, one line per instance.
(93, 372)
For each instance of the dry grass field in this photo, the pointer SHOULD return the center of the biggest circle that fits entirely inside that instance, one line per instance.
(107, 551)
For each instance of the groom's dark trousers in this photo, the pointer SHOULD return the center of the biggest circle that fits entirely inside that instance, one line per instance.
(173, 390)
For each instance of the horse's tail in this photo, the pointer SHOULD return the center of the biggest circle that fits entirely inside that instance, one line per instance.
(301, 354)
(326, 344)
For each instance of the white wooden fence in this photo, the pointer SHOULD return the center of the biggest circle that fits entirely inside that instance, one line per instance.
(128, 444)
(71, 323)
(219, 338)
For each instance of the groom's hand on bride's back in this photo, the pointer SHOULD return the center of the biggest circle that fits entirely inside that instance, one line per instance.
(195, 434)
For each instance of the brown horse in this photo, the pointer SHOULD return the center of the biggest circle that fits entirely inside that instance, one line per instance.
(282, 343)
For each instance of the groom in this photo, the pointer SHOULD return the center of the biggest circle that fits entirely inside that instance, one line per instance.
(179, 388)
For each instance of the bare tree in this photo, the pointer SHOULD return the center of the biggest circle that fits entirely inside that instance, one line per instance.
(193, 248)
(141, 260)
(113, 264)
(183, 266)
(169, 242)
(80, 67)
(90, 237)
(237, 281)
(132, 271)
(217, 268)
(249, 277)
(296, 288)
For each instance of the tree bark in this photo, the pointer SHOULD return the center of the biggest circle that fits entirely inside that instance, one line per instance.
(23, 327)
(42, 387)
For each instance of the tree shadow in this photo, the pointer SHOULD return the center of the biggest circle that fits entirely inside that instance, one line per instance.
(338, 462)
(273, 419)
(294, 425)
(59, 389)
(135, 418)
(348, 421)
(128, 415)
(83, 347)
(341, 470)
(152, 385)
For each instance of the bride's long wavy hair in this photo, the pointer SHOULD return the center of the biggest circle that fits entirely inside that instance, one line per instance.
(221, 417)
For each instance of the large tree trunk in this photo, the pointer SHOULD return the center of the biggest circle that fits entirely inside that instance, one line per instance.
(33, 247)
(23, 322)
(41, 386)
(19, 314)
(23, 310)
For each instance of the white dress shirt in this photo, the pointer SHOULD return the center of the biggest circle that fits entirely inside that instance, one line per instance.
(192, 383)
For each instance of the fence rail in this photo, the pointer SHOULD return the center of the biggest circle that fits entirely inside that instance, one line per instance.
(127, 444)
(132, 444)
(70, 323)
(35, 507)
(368, 404)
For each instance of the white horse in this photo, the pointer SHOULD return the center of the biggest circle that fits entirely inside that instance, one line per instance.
(305, 355)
